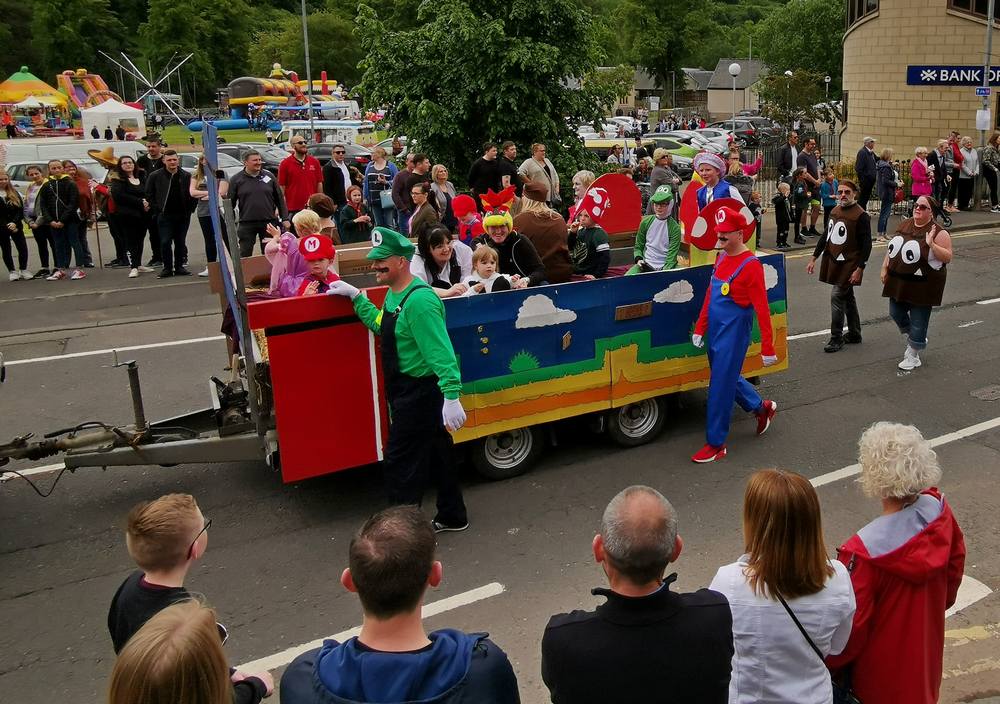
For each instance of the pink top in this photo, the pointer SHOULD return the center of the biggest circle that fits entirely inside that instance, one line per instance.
(921, 178)
(288, 268)
(751, 169)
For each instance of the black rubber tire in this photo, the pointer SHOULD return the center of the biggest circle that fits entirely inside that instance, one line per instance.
(508, 454)
(637, 423)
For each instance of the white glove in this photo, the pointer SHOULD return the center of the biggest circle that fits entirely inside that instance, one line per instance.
(342, 288)
(453, 414)
(698, 341)
(770, 360)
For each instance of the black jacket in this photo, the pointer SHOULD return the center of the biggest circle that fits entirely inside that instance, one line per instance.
(517, 255)
(864, 165)
(785, 163)
(58, 200)
(665, 647)
(161, 183)
(11, 212)
(333, 181)
(484, 175)
(509, 168)
(128, 197)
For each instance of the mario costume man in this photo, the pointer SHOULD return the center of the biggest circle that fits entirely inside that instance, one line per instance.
(658, 240)
(318, 252)
(421, 380)
(736, 291)
(845, 248)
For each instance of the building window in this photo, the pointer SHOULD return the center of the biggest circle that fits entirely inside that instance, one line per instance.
(976, 8)
(859, 9)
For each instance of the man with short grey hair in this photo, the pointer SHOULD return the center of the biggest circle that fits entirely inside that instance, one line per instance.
(257, 196)
(645, 643)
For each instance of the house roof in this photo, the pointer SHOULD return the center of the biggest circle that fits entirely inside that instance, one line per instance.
(696, 78)
(721, 80)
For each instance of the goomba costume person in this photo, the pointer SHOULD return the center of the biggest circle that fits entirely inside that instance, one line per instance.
(422, 385)
(735, 293)
(845, 248)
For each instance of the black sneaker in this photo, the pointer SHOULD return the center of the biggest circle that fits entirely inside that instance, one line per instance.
(42, 273)
(440, 527)
(116, 264)
(165, 274)
(154, 262)
(181, 271)
(852, 339)
(89, 265)
(800, 240)
(834, 345)
(783, 245)
(812, 232)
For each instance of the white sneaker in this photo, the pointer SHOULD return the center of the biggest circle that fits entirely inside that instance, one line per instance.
(77, 275)
(204, 272)
(56, 275)
(27, 275)
(911, 360)
(134, 274)
(145, 269)
(15, 276)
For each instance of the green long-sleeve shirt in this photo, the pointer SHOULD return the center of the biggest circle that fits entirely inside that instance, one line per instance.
(422, 341)
(659, 251)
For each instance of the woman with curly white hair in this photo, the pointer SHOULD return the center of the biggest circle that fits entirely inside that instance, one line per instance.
(905, 566)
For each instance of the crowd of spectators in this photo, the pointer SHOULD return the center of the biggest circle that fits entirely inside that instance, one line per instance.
(784, 622)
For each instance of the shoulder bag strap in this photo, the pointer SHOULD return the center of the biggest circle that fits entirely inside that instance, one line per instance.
(801, 629)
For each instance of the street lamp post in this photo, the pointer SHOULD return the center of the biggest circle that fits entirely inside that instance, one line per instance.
(673, 91)
(829, 108)
(788, 109)
(309, 79)
(734, 71)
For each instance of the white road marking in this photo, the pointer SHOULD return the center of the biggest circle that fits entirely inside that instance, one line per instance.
(281, 659)
(970, 591)
(6, 477)
(970, 323)
(988, 301)
(852, 469)
(130, 348)
(803, 335)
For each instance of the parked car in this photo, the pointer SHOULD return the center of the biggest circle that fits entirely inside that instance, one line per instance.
(230, 166)
(717, 135)
(357, 155)
(387, 145)
(670, 144)
(18, 171)
(631, 124)
(272, 155)
(750, 131)
(697, 141)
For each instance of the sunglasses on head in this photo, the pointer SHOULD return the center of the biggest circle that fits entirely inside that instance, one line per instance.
(208, 524)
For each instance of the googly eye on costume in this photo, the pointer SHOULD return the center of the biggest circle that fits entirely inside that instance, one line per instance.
(911, 252)
(838, 233)
(895, 244)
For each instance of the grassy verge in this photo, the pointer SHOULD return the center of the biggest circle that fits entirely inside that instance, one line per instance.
(178, 136)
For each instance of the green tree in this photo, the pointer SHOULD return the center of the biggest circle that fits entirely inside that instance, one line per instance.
(15, 29)
(803, 35)
(784, 98)
(479, 70)
(67, 34)
(652, 27)
(333, 47)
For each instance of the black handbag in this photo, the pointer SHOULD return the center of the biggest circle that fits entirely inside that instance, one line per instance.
(842, 693)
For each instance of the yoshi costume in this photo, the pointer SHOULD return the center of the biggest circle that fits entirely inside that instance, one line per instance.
(658, 240)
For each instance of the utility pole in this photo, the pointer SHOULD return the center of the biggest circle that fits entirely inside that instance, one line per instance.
(977, 197)
(309, 78)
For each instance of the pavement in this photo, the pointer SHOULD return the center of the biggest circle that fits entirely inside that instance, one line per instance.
(276, 551)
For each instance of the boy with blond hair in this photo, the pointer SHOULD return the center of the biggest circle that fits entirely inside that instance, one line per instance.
(164, 538)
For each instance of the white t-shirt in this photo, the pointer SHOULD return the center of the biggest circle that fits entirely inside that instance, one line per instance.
(657, 242)
(463, 254)
(773, 663)
(474, 278)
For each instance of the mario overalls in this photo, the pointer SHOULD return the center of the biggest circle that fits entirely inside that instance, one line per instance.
(728, 338)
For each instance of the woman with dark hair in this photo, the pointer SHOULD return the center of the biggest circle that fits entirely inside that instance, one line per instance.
(355, 220)
(887, 181)
(128, 190)
(12, 230)
(424, 211)
(991, 168)
(324, 207)
(792, 606)
(441, 261)
(39, 228)
(85, 205)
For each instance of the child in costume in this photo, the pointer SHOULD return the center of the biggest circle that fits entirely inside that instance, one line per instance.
(470, 223)
(589, 247)
(658, 240)
(758, 212)
(736, 291)
(800, 202)
(318, 252)
(485, 277)
(712, 169)
(288, 268)
(782, 214)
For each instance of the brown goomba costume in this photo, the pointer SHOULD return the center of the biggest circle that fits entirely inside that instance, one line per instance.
(915, 275)
(846, 245)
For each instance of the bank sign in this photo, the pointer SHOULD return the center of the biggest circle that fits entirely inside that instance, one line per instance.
(950, 76)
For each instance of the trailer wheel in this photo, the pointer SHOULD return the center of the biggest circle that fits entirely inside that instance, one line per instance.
(507, 454)
(637, 423)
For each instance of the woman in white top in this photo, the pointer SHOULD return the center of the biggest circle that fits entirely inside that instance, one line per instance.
(967, 175)
(785, 559)
(441, 261)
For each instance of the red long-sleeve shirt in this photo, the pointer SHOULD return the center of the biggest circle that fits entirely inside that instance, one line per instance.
(746, 289)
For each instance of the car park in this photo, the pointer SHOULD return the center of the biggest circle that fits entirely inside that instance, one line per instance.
(18, 171)
(229, 166)
(697, 141)
(357, 155)
(750, 131)
(272, 155)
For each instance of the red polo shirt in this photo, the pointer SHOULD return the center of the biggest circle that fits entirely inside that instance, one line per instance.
(300, 179)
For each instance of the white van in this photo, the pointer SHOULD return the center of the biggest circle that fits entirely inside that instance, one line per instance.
(41, 150)
(329, 131)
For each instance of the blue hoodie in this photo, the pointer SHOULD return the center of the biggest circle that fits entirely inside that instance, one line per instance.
(456, 668)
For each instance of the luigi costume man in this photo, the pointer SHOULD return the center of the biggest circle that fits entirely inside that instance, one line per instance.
(421, 379)
(658, 240)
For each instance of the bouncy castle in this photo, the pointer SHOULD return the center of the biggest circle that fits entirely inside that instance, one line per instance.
(84, 90)
(280, 87)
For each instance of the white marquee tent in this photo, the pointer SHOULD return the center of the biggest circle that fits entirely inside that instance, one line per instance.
(111, 113)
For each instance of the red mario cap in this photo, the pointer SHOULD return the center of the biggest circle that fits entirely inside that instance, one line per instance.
(316, 247)
(728, 220)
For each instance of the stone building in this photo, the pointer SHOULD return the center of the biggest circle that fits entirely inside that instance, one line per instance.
(911, 68)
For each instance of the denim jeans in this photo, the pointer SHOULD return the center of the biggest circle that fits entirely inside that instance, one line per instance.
(65, 239)
(384, 217)
(173, 237)
(912, 321)
(403, 222)
(843, 304)
(883, 215)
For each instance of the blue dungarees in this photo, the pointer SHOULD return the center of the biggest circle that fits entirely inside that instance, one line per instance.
(729, 326)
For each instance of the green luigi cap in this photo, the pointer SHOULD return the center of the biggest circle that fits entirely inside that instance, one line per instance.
(389, 243)
(663, 194)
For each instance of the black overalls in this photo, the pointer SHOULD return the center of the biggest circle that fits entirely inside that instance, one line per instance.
(419, 448)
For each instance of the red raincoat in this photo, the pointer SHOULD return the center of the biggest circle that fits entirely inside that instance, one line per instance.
(897, 641)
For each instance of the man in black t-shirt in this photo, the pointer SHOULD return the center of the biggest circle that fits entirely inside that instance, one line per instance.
(508, 169)
(165, 537)
(148, 163)
(808, 161)
(485, 174)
